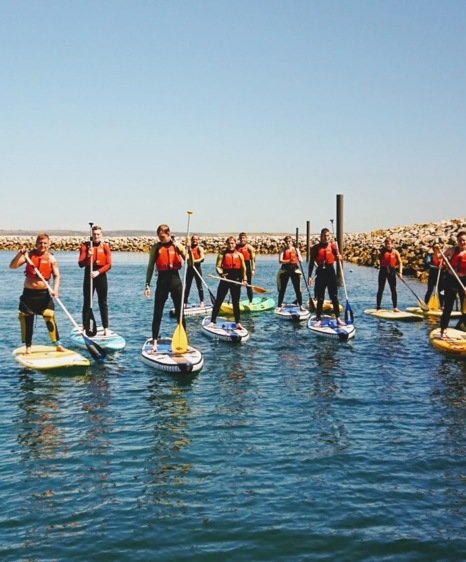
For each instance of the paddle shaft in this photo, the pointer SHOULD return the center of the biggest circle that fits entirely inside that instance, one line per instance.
(422, 304)
(452, 269)
(180, 338)
(91, 264)
(253, 287)
(212, 296)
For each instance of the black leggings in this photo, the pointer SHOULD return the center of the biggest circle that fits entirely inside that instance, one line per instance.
(100, 286)
(190, 275)
(452, 290)
(235, 292)
(282, 281)
(384, 276)
(326, 279)
(168, 283)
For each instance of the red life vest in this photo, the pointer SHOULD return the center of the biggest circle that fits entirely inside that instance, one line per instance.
(101, 255)
(231, 260)
(458, 262)
(196, 252)
(326, 254)
(43, 264)
(388, 259)
(436, 260)
(168, 258)
(291, 254)
(245, 251)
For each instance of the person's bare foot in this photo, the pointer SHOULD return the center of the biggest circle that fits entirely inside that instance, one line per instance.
(28, 351)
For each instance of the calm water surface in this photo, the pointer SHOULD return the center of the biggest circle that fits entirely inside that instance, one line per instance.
(288, 447)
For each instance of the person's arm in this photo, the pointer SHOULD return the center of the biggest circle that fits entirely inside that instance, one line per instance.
(19, 259)
(400, 263)
(56, 276)
(219, 263)
(253, 259)
(83, 259)
(201, 255)
(150, 269)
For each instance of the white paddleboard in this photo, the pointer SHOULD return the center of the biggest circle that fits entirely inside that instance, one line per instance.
(330, 328)
(224, 330)
(194, 309)
(111, 342)
(47, 358)
(292, 312)
(164, 359)
(387, 314)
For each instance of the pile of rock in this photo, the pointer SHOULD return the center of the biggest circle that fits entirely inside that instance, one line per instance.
(413, 242)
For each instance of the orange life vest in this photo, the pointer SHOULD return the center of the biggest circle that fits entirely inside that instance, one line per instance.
(43, 264)
(388, 259)
(168, 258)
(231, 260)
(291, 254)
(245, 251)
(458, 262)
(326, 254)
(196, 252)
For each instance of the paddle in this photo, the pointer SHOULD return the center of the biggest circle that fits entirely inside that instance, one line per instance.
(180, 338)
(349, 315)
(212, 296)
(434, 301)
(255, 288)
(312, 306)
(94, 349)
(422, 304)
(90, 325)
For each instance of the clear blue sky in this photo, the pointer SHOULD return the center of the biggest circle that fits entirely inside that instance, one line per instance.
(254, 114)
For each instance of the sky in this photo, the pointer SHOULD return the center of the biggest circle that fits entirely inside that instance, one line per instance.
(253, 114)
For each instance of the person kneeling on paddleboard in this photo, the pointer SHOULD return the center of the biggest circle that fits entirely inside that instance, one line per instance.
(230, 265)
(324, 255)
(166, 257)
(36, 298)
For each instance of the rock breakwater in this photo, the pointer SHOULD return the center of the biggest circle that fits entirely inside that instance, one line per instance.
(413, 242)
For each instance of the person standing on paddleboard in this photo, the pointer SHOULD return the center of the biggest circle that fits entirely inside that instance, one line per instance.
(324, 255)
(249, 255)
(390, 265)
(166, 259)
(230, 265)
(98, 253)
(36, 298)
(455, 284)
(436, 269)
(289, 258)
(196, 256)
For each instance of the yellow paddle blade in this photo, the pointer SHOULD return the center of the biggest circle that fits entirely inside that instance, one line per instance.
(179, 340)
(434, 302)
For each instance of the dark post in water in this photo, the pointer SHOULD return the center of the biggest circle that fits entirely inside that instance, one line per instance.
(339, 233)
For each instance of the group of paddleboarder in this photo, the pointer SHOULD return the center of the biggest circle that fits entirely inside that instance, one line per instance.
(235, 266)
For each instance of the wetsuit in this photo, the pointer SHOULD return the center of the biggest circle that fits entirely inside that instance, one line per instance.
(231, 265)
(195, 261)
(324, 255)
(389, 265)
(250, 262)
(289, 271)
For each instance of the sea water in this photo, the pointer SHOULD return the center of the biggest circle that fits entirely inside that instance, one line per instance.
(287, 447)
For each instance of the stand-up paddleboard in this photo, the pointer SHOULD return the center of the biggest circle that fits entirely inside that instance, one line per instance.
(258, 304)
(386, 314)
(454, 344)
(194, 309)
(112, 342)
(47, 358)
(224, 330)
(292, 312)
(164, 359)
(329, 327)
(431, 313)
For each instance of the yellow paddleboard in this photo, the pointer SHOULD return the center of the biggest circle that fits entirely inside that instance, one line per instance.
(47, 358)
(386, 314)
(454, 344)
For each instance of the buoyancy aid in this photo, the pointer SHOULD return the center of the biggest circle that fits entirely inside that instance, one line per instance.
(388, 258)
(231, 260)
(168, 258)
(101, 255)
(291, 254)
(244, 249)
(196, 252)
(43, 263)
(458, 262)
(326, 255)
(436, 260)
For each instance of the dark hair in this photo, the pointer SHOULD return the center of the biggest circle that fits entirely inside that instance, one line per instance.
(324, 231)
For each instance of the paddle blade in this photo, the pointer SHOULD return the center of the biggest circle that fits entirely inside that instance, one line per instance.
(259, 290)
(349, 316)
(434, 302)
(180, 340)
(90, 325)
(423, 305)
(97, 352)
